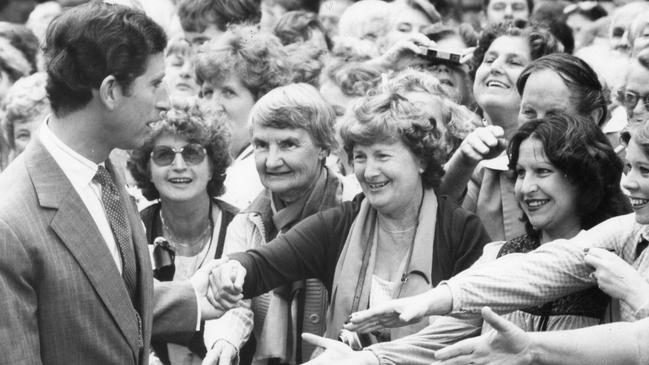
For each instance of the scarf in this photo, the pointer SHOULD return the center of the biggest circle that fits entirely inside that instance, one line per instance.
(355, 267)
(278, 336)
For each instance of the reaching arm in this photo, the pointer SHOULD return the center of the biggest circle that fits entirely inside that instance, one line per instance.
(621, 343)
(483, 143)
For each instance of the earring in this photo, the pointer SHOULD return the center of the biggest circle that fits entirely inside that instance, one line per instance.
(421, 170)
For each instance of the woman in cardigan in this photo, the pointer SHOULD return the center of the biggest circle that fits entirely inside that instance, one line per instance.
(395, 240)
(182, 164)
(292, 133)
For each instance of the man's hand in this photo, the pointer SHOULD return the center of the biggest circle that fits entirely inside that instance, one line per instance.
(405, 53)
(617, 278)
(226, 284)
(507, 345)
(222, 353)
(210, 308)
(337, 353)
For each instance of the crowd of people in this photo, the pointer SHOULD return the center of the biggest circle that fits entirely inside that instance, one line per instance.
(279, 182)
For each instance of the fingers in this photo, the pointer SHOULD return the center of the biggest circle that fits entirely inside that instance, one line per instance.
(212, 356)
(460, 360)
(499, 323)
(484, 142)
(318, 340)
(237, 276)
(227, 355)
(370, 314)
(462, 348)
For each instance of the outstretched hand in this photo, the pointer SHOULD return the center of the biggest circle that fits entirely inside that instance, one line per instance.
(506, 345)
(338, 353)
(394, 313)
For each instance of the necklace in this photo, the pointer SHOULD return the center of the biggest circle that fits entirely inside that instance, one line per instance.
(189, 248)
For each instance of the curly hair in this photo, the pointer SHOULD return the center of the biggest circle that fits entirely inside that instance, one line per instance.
(353, 78)
(458, 120)
(579, 149)
(540, 40)
(197, 15)
(25, 100)
(390, 117)
(299, 26)
(257, 59)
(586, 92)
(195, 126)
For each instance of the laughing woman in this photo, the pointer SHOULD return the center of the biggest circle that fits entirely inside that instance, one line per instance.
(397, 239)
(612, 255)
(182, 164)
(503, 52)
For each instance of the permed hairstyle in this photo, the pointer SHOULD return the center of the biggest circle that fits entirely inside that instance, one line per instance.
(25, 100)
(257, 59)
(297, 106)
(578, 149)
(458, 120)
(87, 43)
(390, 117)
(539, 38)
(197, 15)
(300, 26)
(195, 126)
(586, 92)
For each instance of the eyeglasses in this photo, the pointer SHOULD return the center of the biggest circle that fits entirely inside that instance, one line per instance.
(192, 154)
(630, 99)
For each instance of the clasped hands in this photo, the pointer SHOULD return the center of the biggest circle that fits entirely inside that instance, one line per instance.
(219, 286)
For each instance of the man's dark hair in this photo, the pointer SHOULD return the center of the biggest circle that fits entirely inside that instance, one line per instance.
(87, 43)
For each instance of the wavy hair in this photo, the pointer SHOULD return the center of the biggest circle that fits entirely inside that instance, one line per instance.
(257, 59)
(390, 117)
(195, 126)
(580, 150)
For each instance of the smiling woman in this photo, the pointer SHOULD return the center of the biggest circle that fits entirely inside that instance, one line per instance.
(182, 164)
(395, 240)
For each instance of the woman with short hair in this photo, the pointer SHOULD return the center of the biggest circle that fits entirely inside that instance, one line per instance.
(182, 165)
(397, 239)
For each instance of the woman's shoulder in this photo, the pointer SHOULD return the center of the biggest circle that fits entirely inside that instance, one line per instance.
(147, 214)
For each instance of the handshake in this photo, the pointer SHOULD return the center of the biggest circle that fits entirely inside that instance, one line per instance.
(219, 286)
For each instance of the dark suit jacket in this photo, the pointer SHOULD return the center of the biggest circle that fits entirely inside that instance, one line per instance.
(62, 298)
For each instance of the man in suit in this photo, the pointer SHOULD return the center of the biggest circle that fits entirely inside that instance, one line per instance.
(75, 276)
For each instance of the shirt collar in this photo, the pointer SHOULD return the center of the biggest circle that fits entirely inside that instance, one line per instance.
(77, 168)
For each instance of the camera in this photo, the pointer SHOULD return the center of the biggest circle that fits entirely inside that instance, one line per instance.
(163, 260)
(356, 341)
(456, 57)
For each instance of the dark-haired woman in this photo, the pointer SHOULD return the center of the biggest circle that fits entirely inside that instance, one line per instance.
(182, 164)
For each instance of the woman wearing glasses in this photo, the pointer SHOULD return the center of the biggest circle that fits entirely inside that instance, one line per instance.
(182, 165)
(635, 95)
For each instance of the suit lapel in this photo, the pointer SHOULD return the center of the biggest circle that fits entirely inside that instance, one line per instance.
(78, 232)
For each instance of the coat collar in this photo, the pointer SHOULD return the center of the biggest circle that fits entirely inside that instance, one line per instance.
(76, 229)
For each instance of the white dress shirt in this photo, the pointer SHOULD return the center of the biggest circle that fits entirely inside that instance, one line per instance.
(80, 171)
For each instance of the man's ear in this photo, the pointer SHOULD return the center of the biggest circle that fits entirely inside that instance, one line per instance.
(110, 92)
